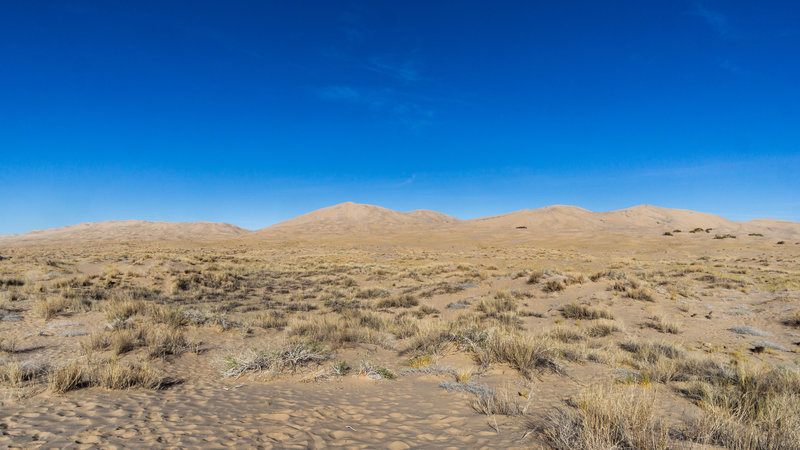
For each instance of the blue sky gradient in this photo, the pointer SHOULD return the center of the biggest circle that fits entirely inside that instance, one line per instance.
(255, 112)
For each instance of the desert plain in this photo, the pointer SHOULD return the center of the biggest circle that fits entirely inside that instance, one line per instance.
(361, 327)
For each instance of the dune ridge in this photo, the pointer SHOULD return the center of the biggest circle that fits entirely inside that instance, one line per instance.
(355, 218)
(130, 230)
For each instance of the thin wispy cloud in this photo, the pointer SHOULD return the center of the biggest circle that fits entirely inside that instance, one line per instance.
(716, 20)
(408, 180)
(406, 71)
(387, 83)
(401, 108)
(729, 66)
(340, 93)
(350, 26)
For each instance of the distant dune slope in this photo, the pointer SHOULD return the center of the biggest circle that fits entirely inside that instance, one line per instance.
(359, 219)
(552, 218)
(355, 217)
(130, 230)
(638, 219)
(572, 218)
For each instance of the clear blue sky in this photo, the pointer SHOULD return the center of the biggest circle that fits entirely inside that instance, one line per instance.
(254, 112)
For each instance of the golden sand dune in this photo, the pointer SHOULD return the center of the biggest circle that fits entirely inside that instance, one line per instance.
(130, 230)
(359, 219)
(351, 216)
(642, 218)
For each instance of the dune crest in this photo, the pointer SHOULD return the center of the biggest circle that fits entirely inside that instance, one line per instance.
(130, 230)
(356, 217)
(362, 219)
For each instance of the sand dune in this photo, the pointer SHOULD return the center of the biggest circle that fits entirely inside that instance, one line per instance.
(573, 218)
(772, 226)
(557, 217)
(130, 230)
(352, 218)
(355, 217)
(359, 219)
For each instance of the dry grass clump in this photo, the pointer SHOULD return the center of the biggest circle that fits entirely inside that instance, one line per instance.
(5, 301)
(664, 363)
(576, 278)
(110, 375)
(14, 373)
(426, 310)
(430, 337)
(9, 344)
(68, 377)
(194, 281)
(218, 320)
(125, 340)
(270, 319)
(603, 327)
(168, 315)
(555, 281)
(340, 368)
(463, 375)
(375, 371)
(372, 293)
(405, 325)
(527, 354)
(502, 402)
(651, 352)
(49, 307)
(794, 320)
(722, 281)
(755, 409)
(339, 304)
(113, 375)
(610, 274)
(96, 341)
(441, 288)
(4, 282)
(288, 357)
(120, 309)
(642, 293)
(623, 417)
(502, 302)
(11, 373)
(634, 289)
(320, 329)
(537, 276)
(466, 333)
(365, 319)
(353, 327)
(566, 335)
(664, 325)
(420, 361)
(554, 285)
(507, 321)
(576, 311)
(502, 309)
(402, 301)
(159, 340)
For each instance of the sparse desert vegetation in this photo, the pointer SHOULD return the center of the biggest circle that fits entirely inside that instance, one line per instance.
(501, 334)
(400, 225)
